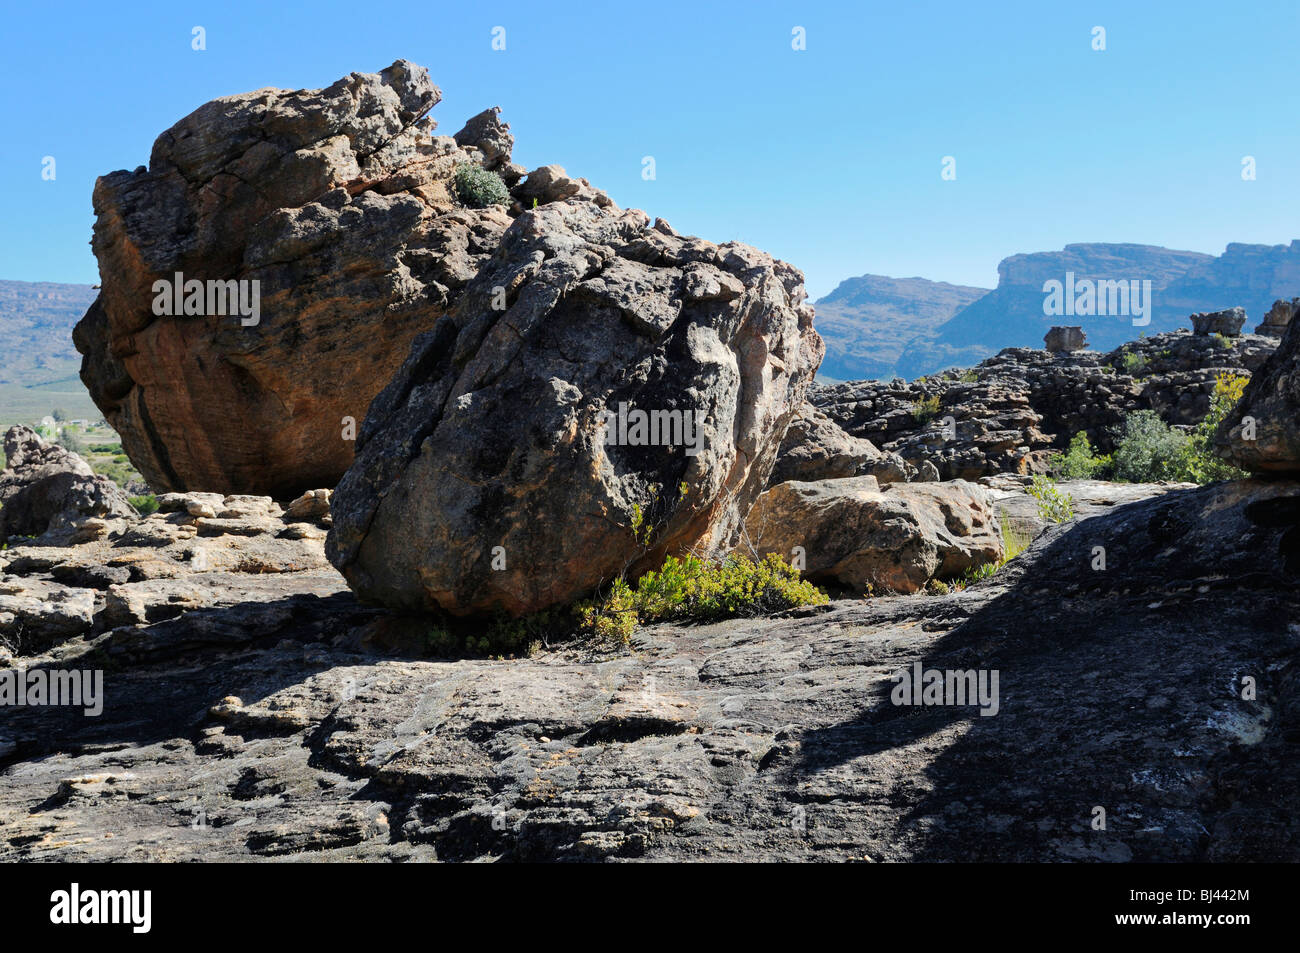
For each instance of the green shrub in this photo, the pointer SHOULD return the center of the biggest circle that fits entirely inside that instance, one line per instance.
(144, 504)
(1134, 363)
(478, 188)
(699, 590)
(1053, 505)
(1150, 450)
(925, 408)
(1079, 462)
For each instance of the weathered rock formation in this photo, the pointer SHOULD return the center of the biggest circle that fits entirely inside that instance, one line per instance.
(1262, 434)
(1067, 338)
(1010, 413)
(817, 448)
(855, 535)
(504, 468)
(198, 550)
(337, 202)
(1227, 322)
(45, 486)
(1278, 317)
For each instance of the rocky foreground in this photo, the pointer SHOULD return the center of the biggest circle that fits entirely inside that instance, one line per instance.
(279, 718)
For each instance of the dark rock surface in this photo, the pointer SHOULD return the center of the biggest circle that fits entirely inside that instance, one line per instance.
(283, 729)
(1065, 338)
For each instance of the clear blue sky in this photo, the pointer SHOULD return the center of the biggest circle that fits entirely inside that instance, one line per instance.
(829, 158)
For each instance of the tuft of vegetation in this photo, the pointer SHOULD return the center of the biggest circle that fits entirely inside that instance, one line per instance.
(144, 504)
(1134, 363)
(478, 187)
(692, 589)
(1013, 544)
(925, 408)
(1080, 461)
(1053, 505)
(1223, 341)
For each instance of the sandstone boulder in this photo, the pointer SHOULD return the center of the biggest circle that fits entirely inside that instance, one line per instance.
(1227, 322)
(816, 448)
(337, 203)
(1262, 434)
(857, 535)
(1059, 339)
(46, 486)
(628, 402)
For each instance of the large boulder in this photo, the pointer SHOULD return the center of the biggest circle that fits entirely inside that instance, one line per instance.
(817, 448)
(45, 486)
(1262, 434)
(854, 534)
(506, 467)
(339, 204)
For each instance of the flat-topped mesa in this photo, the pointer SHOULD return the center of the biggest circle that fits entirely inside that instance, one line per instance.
(305, 237)
(627, 403)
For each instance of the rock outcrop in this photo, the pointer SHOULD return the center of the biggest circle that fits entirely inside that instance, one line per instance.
(333, 211)
(1011, 412)
(1065, 338)
(817, 448)
(854, 535)
(199, 550)
(1278, 317)
(603, 394)
(1262, 433)
(1227, 322)
(45, 486)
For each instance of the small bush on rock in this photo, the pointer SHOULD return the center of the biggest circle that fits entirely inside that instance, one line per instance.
(478, 188)
(925, 408)
(699, 590)
(1053, 505)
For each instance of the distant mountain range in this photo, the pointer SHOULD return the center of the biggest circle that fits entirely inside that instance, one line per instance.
(38, 364)
(869, 320)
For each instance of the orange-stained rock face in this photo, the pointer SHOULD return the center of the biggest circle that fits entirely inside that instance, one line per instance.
(336, 202)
